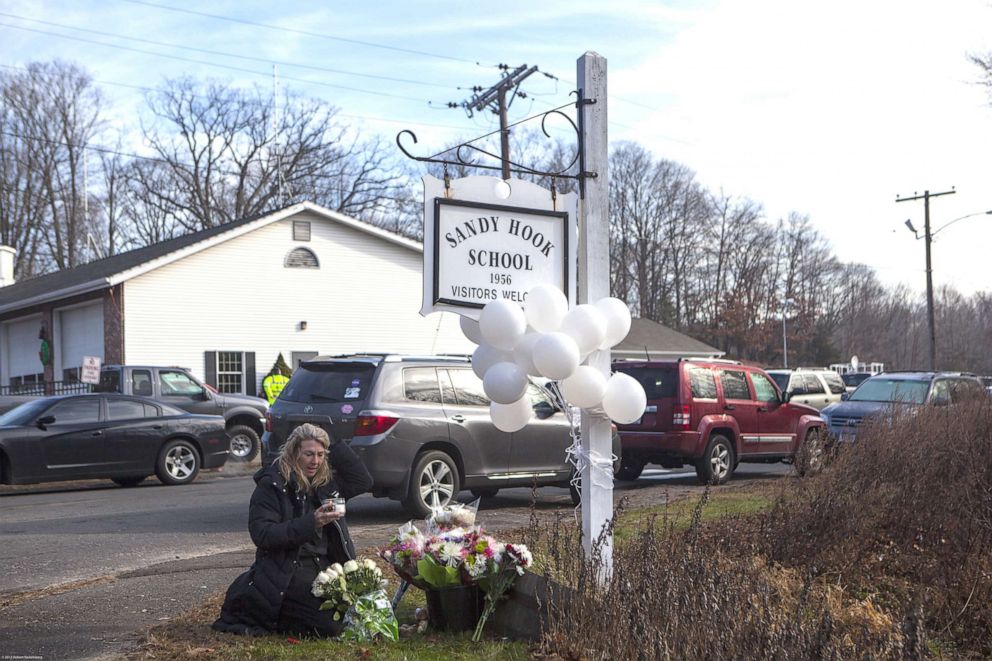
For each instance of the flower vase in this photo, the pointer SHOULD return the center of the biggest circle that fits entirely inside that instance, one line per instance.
(455, 608)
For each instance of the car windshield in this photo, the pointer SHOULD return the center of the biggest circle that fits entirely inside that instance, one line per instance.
(781, 379)
(880, 389)
(329, 382)
(24, 414)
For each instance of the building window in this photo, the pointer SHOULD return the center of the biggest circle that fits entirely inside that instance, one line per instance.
(301, 258)
(27, 384)
(230, 371)
(70, 375)
(301, 230)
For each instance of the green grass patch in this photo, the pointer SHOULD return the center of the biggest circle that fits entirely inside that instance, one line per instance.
(678, 515)
(430, 647)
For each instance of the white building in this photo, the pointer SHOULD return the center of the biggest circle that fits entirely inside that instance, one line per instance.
(226, 301)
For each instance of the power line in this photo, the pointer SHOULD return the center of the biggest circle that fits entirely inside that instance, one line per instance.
(223, 54)
(213, 64)
(302, 32)
(339, 114)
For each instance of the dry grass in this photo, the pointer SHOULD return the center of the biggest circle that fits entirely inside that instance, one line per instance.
(886, 554)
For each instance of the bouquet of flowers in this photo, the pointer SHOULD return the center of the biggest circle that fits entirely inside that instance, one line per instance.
(455, 515)
(450, 555)
(497, 577)
(356, 591)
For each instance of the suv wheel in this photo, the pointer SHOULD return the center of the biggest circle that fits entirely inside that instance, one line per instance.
(717, 463)
(811, 455)
(433, 483)
(630, 468)
(244, 443)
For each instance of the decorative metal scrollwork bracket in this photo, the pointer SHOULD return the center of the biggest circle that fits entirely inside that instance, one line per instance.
(461, 155)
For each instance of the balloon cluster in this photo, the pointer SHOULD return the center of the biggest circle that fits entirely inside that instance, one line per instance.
(547, 339)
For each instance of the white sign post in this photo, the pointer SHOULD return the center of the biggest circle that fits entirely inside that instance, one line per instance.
(91, 370)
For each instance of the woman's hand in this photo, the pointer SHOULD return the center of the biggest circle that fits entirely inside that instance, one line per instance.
(324, 515)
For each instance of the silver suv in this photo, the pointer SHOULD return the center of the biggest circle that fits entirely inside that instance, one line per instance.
(422, 427)
(813, 386)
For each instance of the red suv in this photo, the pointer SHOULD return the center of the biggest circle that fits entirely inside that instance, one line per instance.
(712, 414)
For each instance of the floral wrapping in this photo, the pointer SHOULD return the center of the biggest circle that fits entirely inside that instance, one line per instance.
(371, 615)
(356, 591)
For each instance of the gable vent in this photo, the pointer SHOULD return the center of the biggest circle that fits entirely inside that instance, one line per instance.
(301, 258)
(301, 230)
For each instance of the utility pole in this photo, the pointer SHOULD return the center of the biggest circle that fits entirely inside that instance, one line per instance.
(495, 99)
(927, 238)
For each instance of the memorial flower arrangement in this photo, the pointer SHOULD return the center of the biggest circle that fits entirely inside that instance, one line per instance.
(356, 592)
(451, 555)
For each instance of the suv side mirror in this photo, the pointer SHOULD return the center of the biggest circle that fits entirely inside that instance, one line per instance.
(44, 421)
(786, 396)
(844, 396)
(544, 409)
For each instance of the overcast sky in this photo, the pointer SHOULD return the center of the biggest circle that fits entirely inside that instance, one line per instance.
(826, 109)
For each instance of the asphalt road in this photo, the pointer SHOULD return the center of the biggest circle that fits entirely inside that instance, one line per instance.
(87, 567)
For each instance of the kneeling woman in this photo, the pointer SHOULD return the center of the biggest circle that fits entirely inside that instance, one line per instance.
(296, 537)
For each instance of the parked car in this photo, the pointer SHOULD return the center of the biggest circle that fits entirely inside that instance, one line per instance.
(243, 415)
(96, 436)
(422, 427)
(712, 414)
(987, 382)
(854, 379)
(813, 386)
(902, 390)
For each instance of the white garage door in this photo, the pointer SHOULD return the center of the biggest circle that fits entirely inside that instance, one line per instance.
(22, 347)
(81, 331)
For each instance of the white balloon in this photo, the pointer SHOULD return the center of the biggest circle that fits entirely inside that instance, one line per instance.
(511, 417)
(485, 356)
(624, 400)
(504, 383)
(556, 355)
(585, 388)
(523, 353)
(470, 327)
(545, 307)
(586, 325)
(502, 323)
(617, 316)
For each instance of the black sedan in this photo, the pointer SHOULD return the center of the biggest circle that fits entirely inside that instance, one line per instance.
(93, 436)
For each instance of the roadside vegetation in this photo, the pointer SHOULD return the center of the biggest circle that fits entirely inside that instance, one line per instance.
(885, 554)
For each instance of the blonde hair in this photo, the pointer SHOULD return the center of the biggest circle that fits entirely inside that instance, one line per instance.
(289, 455)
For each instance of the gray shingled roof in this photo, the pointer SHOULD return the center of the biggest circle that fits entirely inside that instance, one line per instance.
(648, 337)
(109, 266)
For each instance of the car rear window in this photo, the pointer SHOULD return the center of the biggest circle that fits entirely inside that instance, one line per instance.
(329, 382)
(658, 382)
(110, 381)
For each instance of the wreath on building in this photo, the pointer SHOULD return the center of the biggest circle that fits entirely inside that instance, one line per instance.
(45, 349)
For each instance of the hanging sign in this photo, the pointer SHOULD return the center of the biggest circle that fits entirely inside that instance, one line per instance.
(486, 239)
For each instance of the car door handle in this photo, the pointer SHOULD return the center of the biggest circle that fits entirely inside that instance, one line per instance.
(97, 433)
(156, 426)
(457, 418)
(762, 409)
(729, 407)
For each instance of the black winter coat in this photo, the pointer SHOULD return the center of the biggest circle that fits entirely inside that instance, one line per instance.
(279, 524)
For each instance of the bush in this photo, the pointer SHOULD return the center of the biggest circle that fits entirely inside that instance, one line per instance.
(883, 554)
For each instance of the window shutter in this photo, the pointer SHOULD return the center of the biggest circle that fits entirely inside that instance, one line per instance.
(210, 367)
(251, 388)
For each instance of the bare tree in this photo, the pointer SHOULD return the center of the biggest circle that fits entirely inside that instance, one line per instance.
(51, 113)
(226, 153)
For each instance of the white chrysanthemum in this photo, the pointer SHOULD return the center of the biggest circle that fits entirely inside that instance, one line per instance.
(350, 566)
(323, 576)
(337, 567)
(477, 568)
(332, 575)
(369, 563)
(520, 570)
(451, 553)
